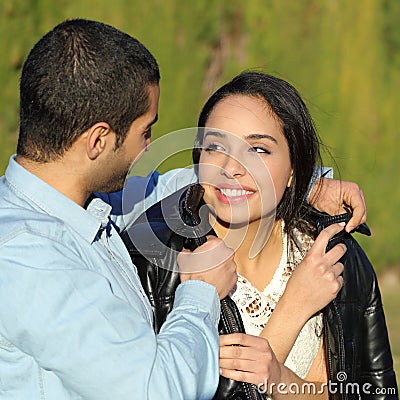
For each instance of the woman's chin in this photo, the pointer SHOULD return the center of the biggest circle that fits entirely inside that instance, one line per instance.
(234, 222)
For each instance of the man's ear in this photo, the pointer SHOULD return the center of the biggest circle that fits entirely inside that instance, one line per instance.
(99, 137)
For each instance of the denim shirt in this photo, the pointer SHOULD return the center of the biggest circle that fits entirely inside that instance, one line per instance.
(74, 320)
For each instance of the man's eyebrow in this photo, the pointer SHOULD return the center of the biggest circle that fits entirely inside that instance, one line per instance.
(258, 136)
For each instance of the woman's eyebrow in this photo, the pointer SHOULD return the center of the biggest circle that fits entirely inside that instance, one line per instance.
(215, 134)
(253, 136)
(258, 136)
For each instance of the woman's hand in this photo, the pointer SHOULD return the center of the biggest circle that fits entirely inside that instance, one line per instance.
(333, 196)
(317, 279)
(248, 358)
(314, 283)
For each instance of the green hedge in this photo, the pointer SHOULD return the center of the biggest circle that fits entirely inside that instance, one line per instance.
(343, 56)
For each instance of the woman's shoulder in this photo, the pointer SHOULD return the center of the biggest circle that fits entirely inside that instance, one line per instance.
(356, 259)
(167, 224)
(359, 276)
(151, 232)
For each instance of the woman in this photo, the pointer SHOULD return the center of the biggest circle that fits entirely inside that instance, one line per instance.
(256, 138)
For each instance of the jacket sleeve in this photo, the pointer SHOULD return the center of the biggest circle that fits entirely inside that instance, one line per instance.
(140, 193)
(377, 374)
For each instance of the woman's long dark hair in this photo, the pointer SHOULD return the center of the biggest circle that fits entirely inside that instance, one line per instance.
(298, 128)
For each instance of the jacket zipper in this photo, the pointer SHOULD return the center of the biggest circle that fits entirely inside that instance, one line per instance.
(341, 344)
(231, 326)
(229, 322)
(335, 311)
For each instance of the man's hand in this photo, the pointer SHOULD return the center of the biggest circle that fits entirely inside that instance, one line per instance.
(213, 262)
(332, 196)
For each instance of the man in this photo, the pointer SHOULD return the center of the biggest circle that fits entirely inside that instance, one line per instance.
(74, 320)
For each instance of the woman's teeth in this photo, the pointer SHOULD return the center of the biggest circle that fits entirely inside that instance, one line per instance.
(235, 192)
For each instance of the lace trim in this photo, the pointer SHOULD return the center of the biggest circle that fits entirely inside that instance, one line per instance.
(256, 307)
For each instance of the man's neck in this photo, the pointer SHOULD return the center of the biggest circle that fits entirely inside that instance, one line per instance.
(60, 175)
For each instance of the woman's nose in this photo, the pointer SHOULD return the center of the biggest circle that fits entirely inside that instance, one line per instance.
(232, 167)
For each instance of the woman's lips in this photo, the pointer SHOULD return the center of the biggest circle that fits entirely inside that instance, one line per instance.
(233, 195)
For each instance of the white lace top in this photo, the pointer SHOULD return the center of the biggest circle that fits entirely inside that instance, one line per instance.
(256, 307)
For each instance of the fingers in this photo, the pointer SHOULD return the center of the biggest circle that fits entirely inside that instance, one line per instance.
(232, 339)
(359, 208)
(230, 278)
(340, 281)
(332, 269)
(335, 196)
(335, 254)
(251, 361)
(240, 376)
(243, 346)
(231, 355)
(325, 235)
(337, 269)
(334, 277)
(213, 263)
(207, 256)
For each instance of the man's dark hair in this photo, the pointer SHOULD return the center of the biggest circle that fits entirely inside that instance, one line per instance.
(80, 73)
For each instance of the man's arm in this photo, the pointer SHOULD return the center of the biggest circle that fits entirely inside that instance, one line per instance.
(333, 196)
(67, 318)
(140, 193)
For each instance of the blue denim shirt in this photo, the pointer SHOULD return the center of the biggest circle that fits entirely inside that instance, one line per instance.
(74, 321)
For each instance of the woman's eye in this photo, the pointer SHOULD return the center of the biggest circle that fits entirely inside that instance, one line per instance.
(259, 149)
(213, 147)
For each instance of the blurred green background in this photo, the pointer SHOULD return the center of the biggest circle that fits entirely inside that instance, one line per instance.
(342, 55)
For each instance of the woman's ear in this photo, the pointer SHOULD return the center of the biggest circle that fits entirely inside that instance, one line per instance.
(289, 183)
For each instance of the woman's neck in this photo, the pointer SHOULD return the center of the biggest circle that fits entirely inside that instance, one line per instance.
(257, 253)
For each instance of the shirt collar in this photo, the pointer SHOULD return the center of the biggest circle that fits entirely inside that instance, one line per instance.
(45, 198)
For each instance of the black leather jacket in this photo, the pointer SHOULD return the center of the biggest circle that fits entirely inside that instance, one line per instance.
(356, 339)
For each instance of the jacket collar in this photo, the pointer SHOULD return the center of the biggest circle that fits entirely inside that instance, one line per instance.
(323, 220)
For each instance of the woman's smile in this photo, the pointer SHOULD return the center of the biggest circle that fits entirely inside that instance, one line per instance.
(233, 194)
